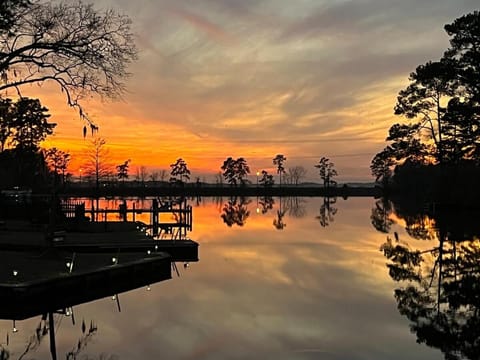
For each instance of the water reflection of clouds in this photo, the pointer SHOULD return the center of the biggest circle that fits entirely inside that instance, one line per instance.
(306, 292)
(259, 293)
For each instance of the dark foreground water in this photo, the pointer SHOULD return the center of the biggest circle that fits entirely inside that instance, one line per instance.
(299, 280)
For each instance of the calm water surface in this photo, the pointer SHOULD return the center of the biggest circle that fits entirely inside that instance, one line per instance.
(279, 286)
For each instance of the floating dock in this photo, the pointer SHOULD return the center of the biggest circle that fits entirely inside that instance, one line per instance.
(96, 237)
(43, 272)
(34, 283)
(49, 267)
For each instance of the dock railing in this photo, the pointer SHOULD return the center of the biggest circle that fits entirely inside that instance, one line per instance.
(170, 219)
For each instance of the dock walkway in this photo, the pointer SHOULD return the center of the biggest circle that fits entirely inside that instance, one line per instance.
(40, 273)
(34, 283)
(96, 237)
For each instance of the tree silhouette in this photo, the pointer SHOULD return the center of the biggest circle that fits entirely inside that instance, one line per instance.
(23, 125)
(27, 124)
(179, 172)
(58, 161)
(142, 174)
(278, 160)
(9, 10)
(327, 171)
(266, 180)
(122, 170)
(443, 103)
(82, 50)
(381, 166)
(424, 98)
(154, 176)
(6, 122)
(235, 171)
(296, 174)
(23, 167)
(97, 166)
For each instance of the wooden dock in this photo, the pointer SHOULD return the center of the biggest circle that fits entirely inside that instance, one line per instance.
(179, 250)
(96, 237)
(49, 267)
(34, 284)
(180, 211)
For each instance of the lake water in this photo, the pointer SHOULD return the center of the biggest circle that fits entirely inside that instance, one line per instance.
(274, 281)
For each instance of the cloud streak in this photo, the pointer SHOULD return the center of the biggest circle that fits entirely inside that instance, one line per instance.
(273, 72)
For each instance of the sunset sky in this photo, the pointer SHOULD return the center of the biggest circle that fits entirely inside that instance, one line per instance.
(255, 78)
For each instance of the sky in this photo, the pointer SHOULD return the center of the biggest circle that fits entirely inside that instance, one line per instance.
(256, 78)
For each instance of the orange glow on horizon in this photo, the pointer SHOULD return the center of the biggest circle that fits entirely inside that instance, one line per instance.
(156, 137)
(147, 142)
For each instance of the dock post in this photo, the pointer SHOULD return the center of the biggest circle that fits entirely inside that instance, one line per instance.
(123, 210)
(133, 212)
(51, 328)
(155, 216)
(190, 218)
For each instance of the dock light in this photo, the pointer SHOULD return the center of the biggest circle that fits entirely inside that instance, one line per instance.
(148, 252)
(15, 272)
(258, 210)
(14, 327)
(67, 312)
(186, 265)
(68, 265)
(156, 247)
(114, 260)
(148, 288)
(58, 238)
(114, 297)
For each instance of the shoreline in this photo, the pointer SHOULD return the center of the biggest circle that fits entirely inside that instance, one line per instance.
(195, 190)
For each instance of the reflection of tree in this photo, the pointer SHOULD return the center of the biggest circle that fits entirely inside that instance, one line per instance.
(381, 215)
(278, 221)
(419, 226)
(83, 341)
(266, 204)
(296, 207)
(417, 223)
(327, 211)
(235, 211)
(440, 292)
(35, 340)
(218, 201)
(45, 328)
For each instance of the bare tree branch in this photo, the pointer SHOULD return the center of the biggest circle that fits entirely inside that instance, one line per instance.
(83, 50)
